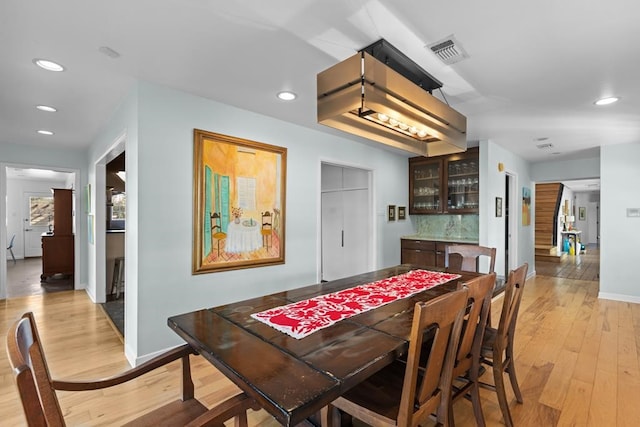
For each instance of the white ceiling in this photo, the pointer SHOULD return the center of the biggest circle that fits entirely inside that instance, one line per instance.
(534, 71)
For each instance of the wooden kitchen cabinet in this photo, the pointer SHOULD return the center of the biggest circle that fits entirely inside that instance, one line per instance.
(418, 252)
(427, 253)
(444, 184)
(57, 255)
(58, 247)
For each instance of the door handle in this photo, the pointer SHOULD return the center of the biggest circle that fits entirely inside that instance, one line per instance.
(28, 229)
(343, 238)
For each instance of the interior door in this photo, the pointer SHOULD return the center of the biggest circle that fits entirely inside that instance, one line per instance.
(38, 214)
(346, 222)
(332, 235)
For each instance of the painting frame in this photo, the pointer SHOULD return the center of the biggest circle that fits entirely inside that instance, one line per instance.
(582, 213)
(239, 200)
(402, 213)
(526, 206)
(498, 207)
(391, 213)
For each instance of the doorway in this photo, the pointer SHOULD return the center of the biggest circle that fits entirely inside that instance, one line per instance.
(346, 221)
(28, 214)
(510, 223)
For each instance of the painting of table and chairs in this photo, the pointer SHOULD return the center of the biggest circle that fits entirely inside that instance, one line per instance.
(239, 212)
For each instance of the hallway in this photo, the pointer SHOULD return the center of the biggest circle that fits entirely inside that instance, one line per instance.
(580, 267)
(23, 279)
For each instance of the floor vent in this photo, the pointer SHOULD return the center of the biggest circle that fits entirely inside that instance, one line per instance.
(448, 50)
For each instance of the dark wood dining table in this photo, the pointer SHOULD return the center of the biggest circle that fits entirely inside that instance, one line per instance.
(294, 378)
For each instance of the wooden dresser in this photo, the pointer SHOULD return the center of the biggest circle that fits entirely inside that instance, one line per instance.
(57, 248)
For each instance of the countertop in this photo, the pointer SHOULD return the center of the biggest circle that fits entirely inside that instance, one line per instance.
(441, 239)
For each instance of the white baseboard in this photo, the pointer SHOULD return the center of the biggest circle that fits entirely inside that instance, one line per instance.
(619, 297)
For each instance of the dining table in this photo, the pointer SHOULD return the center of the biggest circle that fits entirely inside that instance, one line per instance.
(292, 379)
(243, 236)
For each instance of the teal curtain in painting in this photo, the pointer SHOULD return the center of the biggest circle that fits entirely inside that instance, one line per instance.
(207, 211)
(216, 199)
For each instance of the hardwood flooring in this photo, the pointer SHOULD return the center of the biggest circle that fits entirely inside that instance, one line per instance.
(23, 279)
(577, 360)
(584, 266)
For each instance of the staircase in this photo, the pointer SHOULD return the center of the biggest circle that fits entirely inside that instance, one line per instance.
(549, 254)
(548, 199)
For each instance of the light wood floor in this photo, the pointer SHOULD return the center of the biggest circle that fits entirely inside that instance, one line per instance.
(585, 266)
(577, 362)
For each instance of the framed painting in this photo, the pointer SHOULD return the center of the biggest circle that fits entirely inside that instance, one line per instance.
(402, 213)
(526, 206)
(238, 203)
(391, 212)
(582, 213)
(498, 207)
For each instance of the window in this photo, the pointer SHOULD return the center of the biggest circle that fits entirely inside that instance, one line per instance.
(40, 211)
(119, 203)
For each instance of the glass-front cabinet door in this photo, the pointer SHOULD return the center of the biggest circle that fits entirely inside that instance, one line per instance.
(425, 186)
(463, 184)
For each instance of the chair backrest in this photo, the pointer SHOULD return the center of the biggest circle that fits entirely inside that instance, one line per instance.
(11, 242)
(510, 307)
(39, 400)
(266, 219)
(470, 254)
(215, 222)
(478, 306)
(421, 398)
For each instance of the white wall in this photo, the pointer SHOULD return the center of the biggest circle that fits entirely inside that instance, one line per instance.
(492, 185)
(159, 219)
(620, 234)
(563, 170)
(588, 225)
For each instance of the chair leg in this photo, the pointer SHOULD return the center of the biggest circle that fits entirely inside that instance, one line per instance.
(511, 370)
(12, 256)
(477, 406)
(498, 377)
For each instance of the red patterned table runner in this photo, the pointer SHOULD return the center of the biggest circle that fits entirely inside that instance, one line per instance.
(302, 318)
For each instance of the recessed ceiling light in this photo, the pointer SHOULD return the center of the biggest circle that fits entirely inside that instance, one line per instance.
(48, 65)
(287, 96)
(606, 101)
(45, 132)
(46, 108)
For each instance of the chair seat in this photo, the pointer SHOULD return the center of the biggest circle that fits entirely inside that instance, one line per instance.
(488, 341)
(176, 413)
(379, 393)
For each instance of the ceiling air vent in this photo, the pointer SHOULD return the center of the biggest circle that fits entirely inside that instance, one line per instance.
(545, 146)
(448, 50)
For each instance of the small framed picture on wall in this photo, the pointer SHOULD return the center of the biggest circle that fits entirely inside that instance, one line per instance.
(391, 212)
(402, 213)
(498, 206)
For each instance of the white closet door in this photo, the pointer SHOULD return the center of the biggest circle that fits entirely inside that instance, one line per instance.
(346, 222)
(332, 229)
(356, 232)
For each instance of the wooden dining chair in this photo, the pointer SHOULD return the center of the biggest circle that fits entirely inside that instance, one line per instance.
(466, 367)
(497, 344)
(10, 248)
(38, 390)
(470, 255)
(216, 231)
(267, 228)
(407, 394)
